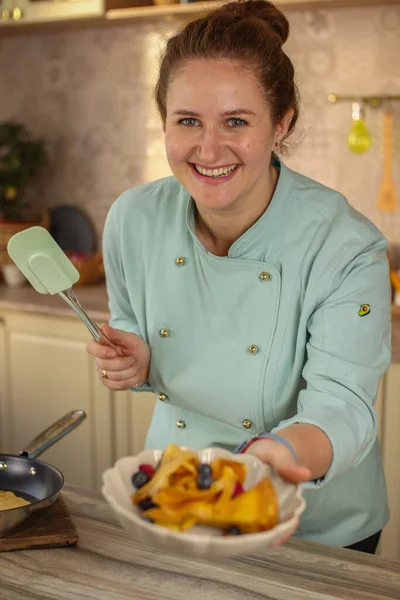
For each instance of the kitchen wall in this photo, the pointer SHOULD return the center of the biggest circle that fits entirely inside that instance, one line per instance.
(89, 93)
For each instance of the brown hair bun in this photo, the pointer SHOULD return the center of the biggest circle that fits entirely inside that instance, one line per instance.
(257, 9)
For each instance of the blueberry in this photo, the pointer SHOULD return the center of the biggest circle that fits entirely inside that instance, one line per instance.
(204, 481)
(204, 469)
(146, 504)
(205, 477)
(139, 479)
(234, 530)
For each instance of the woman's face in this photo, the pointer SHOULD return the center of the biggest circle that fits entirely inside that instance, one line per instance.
(218, 134)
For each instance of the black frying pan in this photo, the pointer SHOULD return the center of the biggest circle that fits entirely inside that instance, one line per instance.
(34, 480)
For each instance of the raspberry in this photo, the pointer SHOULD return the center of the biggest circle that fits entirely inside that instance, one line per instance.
(148, 469)
(238, 490)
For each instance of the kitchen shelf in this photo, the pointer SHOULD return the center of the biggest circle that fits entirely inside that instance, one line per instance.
(128, 11)
(198, 8)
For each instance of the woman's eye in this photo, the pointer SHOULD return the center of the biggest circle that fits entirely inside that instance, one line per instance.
(189, 122)
(236, 122)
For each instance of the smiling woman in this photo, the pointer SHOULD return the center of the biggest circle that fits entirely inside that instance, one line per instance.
(227, 98)
(235, 286)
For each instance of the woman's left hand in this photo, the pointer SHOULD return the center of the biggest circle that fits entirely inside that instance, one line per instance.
(282, 461)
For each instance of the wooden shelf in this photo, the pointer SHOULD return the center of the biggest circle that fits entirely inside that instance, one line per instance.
(162, 10)
(197, 8)
(127, 11)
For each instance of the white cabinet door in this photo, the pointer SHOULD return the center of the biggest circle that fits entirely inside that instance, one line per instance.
(50, 374)
(389, 546)
(3, 390)
(142, 408)
(133, 414)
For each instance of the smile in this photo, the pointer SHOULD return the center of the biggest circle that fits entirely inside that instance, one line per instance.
(219, 172)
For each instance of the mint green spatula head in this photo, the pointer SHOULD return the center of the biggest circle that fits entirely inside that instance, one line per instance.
(41, 260)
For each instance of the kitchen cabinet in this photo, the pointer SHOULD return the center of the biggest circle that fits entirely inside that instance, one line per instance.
(46, 372)
(133, 413)
(3, 387)
(389, 407)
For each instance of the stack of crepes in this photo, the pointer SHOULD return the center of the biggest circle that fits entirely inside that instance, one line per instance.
(172, 496)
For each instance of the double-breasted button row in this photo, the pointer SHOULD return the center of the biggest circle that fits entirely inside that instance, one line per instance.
(264, 275)
(247, 424)
(252, 349)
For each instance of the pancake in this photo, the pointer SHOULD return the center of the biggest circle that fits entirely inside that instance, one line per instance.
(9, 500)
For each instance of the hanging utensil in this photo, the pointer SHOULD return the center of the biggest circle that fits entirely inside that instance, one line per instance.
(49, 270)
(358, 139)
(387, 191)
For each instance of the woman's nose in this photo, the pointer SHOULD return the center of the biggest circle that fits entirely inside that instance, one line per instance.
(209, 146)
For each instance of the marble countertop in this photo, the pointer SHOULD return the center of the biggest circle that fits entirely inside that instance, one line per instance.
(94, 301)
(108, 565)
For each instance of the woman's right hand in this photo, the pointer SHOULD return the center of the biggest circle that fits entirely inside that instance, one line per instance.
(121, 372)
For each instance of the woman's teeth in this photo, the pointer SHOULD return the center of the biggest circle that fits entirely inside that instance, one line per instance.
(222, 172)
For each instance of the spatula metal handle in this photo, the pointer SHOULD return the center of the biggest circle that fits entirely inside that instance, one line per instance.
(96, 332)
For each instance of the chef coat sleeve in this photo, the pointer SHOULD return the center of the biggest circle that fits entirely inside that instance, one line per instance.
(122, 313)
(348, 352)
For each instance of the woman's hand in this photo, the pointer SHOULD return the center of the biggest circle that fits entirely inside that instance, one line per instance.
(121, 372)
(282, 461)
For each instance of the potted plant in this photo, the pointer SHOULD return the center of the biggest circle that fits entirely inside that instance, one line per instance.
(21, 158)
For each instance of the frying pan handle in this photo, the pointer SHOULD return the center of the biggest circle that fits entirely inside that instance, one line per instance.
(52, 434)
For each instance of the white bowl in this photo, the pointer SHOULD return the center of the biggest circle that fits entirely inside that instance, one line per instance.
(12, 276)
(199, 541)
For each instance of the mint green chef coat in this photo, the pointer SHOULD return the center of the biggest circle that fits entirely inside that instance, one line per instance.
(293, 326)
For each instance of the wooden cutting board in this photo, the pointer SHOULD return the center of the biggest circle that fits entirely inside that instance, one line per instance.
(50, 527)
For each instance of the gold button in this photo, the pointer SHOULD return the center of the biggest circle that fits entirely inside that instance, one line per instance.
(181, 424)
(264, 276)
(180, 261)
(253, 349)
(162, 397)
(247, 424)
(5, 14)
(165, 332)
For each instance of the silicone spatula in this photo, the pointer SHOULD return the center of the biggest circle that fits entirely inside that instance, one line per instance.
(49, 270)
